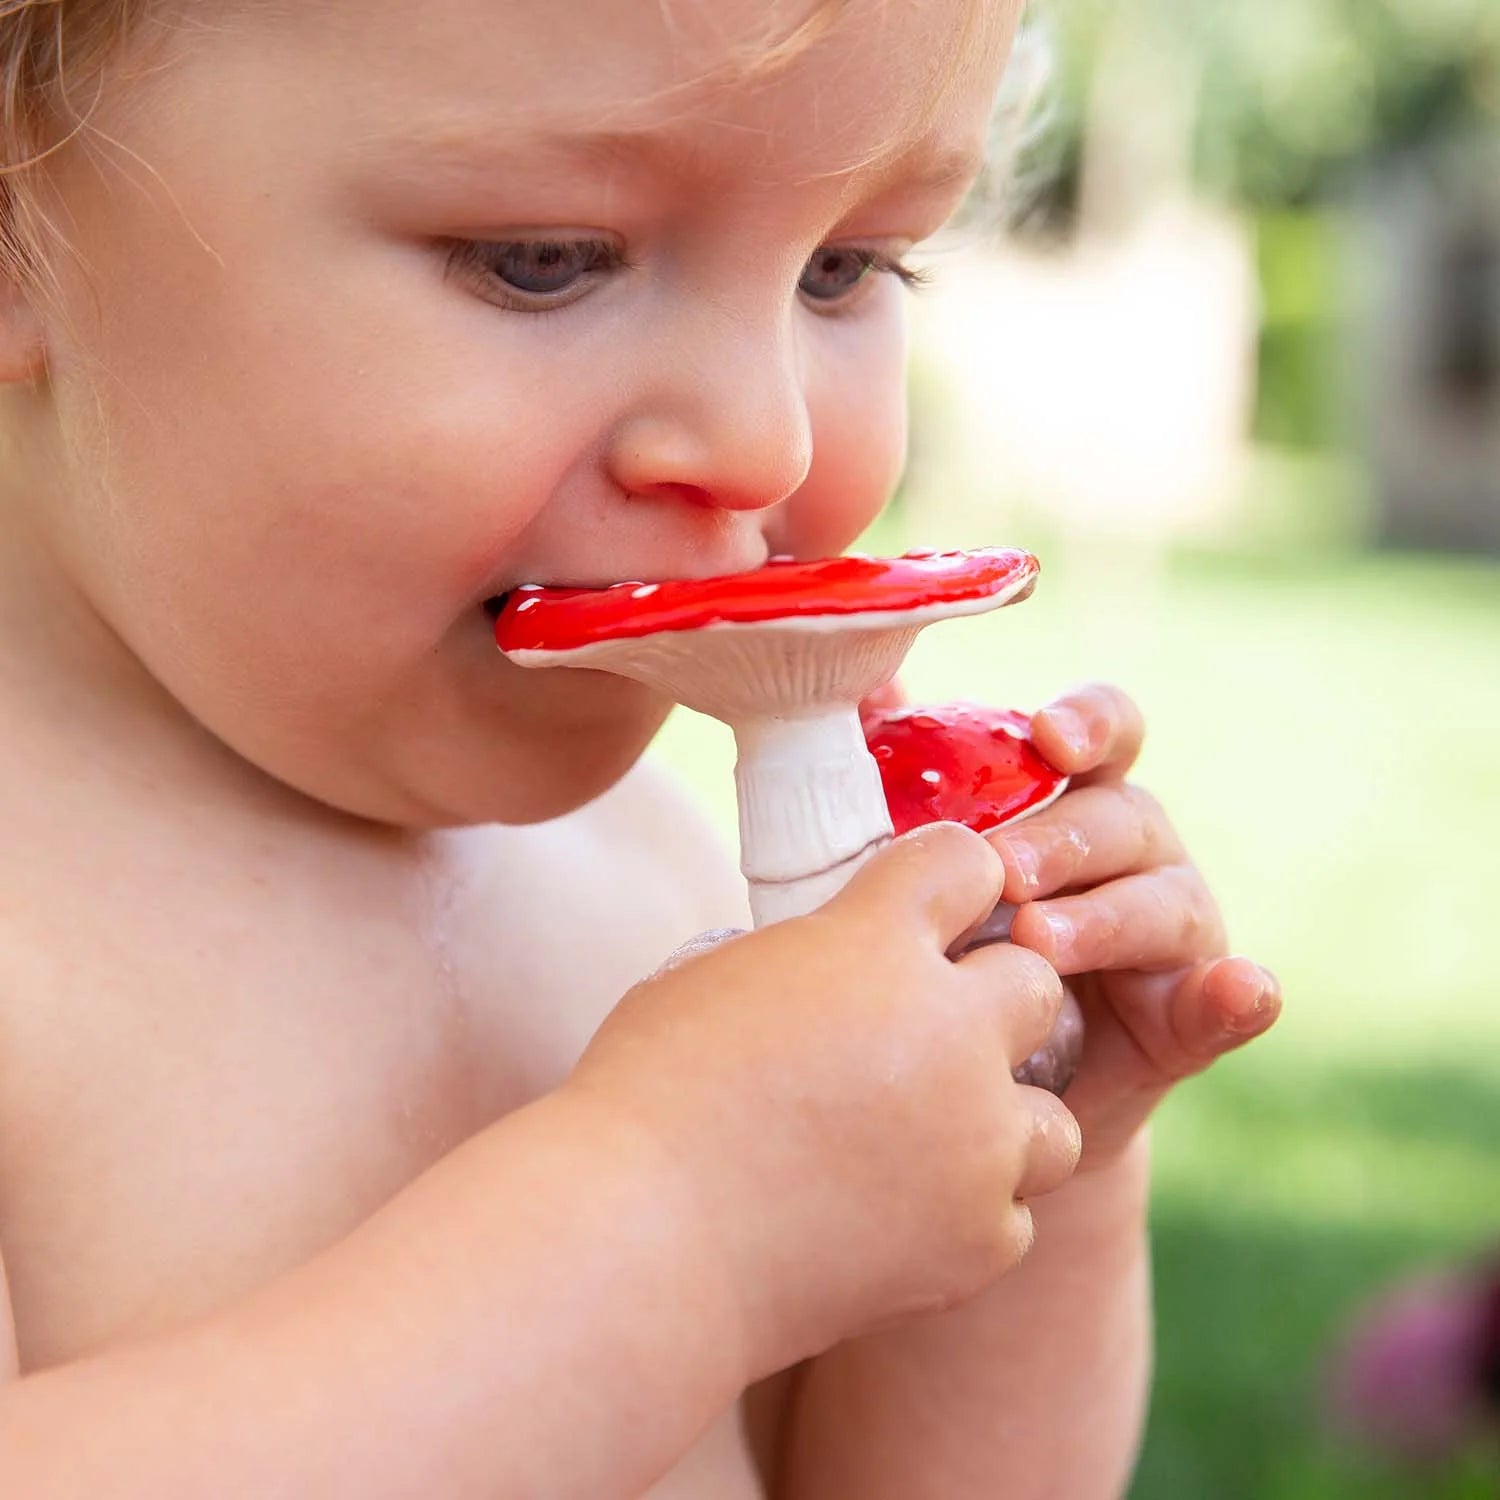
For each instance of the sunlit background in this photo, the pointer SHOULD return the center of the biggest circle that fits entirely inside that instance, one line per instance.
(1234, 374)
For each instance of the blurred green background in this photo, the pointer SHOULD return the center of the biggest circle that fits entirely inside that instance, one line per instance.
(1235, 377)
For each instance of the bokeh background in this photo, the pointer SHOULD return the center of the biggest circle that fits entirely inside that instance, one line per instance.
(1220, 340)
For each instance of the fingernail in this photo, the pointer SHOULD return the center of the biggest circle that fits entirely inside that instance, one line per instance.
(1026, 860)
(1070, 728)
(1257, 1013)
(1060, 928)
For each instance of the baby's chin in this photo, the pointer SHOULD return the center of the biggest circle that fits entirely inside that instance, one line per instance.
(545, 767)
(559, 749)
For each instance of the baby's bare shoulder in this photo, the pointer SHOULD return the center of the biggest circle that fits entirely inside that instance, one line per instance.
(651, 829)
(567, 915)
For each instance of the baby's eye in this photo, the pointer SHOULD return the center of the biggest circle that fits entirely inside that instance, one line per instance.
(538, 272)
(834, 272)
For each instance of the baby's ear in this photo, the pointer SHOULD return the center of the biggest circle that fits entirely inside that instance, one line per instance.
(23, 347)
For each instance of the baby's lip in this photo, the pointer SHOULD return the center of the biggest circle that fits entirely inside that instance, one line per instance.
(699, 567)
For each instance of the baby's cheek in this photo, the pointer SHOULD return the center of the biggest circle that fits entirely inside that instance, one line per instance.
(859, 450)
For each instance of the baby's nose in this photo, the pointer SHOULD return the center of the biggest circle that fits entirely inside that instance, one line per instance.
(729, 429)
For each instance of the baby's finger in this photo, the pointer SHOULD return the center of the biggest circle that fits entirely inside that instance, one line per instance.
(1094, 732)
(1055, 1146)
(1182, 1021)
(943, 874)
(1095, 834)
(1024, 987)
(1221, 1005)
(1162, 919)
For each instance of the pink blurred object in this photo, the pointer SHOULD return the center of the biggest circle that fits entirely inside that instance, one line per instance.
(1418, 1378)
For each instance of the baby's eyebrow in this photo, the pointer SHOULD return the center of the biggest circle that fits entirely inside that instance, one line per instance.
(461, 148)
(666, 147)
(944, 169)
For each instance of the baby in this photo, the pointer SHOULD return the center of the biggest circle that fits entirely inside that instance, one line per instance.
(346, 1148)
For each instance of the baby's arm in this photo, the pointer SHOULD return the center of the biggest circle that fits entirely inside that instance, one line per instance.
(484, 1333)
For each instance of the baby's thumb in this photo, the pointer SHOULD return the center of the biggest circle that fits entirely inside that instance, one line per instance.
(941, 874)
(703, 942)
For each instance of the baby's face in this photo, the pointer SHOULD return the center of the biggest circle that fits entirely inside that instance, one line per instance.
(391, 308)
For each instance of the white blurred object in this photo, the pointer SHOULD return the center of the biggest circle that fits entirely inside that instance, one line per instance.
(1110, 384)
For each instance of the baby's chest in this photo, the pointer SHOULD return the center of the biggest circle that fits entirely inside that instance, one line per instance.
(178, 1129)
(160, 1154)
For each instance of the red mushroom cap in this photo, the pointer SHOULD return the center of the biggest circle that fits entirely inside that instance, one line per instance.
(563, 619)
(961, 763)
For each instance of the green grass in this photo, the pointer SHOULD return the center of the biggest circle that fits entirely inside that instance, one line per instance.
(1327, 737)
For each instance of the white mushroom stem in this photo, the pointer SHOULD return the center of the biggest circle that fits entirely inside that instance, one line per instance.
(811, 807)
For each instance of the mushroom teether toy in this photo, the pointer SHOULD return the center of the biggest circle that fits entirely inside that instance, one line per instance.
(782, 655)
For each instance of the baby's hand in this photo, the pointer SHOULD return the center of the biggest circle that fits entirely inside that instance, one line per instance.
(833, 1095)
(1109, 895)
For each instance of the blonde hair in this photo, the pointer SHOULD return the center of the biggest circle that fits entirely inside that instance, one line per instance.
(50, 50)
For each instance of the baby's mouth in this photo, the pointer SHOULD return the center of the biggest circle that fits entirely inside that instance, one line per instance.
(726, 567)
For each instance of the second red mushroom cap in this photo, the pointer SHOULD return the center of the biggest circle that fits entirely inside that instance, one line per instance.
(959, 763)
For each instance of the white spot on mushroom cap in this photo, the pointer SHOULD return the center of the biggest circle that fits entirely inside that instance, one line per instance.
(932, 778)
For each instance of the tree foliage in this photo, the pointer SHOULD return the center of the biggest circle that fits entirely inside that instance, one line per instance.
(1290, 93)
